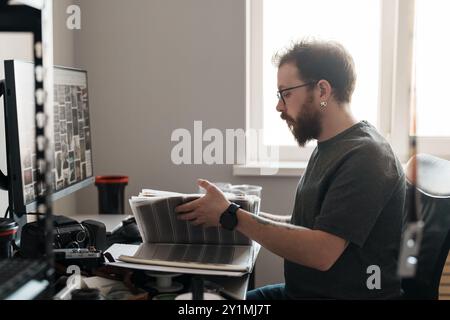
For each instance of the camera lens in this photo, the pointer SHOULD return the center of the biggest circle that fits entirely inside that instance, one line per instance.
(88, 237)
(81, 236)
(73, 245)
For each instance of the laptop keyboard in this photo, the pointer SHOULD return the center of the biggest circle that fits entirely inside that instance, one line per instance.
(22, 278)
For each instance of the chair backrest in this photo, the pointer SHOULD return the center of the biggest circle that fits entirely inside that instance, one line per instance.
(433, 186)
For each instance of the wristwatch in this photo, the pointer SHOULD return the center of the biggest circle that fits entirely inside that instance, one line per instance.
(228, 219)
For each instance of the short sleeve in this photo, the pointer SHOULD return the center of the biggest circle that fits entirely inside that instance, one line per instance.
(357, 194)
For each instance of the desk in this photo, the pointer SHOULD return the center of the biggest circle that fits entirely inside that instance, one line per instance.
(234, 284)
(111, 221)
(235, 287)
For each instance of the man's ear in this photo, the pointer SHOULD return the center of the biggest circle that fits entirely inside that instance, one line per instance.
(325, 90)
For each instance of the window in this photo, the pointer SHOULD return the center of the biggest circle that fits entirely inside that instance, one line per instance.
(432, 64)
(303, 18)
(395, 48)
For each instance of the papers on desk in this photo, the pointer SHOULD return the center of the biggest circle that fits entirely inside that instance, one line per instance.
(108, 286)
(120, 252)
(206, 257)
(231, 283)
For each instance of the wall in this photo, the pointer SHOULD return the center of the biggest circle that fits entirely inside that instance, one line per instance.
(63, 55)
(19, 46)
(158, 65)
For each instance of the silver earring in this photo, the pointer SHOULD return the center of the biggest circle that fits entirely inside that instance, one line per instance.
(323, 104)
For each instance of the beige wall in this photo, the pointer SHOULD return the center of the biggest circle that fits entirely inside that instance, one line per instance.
(158, 65)
(63, 55)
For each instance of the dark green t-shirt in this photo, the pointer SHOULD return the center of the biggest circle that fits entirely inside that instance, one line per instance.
(354, 188)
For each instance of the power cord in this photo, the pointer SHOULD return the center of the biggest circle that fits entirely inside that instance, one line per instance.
(6, 213)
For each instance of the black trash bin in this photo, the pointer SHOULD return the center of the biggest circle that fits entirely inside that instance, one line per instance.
(111, 194)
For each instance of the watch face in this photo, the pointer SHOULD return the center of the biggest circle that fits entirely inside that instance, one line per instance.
(228, 221)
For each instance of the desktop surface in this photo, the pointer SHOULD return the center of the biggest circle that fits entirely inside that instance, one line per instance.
(111, 221)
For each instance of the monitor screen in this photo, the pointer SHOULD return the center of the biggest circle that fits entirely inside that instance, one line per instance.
(69, 132)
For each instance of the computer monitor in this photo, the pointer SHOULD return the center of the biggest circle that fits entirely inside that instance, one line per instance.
(69, 131)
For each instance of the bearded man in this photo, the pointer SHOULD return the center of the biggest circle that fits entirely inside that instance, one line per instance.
(349, 206)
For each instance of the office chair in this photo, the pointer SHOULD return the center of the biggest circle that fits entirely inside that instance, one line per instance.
(433, 187)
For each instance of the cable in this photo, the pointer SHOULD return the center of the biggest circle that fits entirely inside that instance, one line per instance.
(6, 213)
(2, 88)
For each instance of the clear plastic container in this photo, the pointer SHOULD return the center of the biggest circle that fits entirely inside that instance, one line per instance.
(247, 189)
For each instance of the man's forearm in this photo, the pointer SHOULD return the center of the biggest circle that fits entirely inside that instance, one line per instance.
(297, 244)
(274, 217)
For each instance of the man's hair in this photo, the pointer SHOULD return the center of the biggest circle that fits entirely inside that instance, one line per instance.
(317, 60)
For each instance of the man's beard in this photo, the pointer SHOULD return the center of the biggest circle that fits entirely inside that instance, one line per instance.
(307, 126)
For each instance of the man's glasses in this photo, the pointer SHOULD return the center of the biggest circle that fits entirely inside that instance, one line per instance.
(280, 93)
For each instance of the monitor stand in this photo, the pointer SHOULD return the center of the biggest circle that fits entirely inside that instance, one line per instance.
(4, 181)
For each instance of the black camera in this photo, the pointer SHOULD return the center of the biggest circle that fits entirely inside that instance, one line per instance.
(68, 234)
